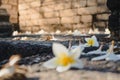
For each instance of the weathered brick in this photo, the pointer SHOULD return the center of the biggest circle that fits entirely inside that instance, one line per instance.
(27, 1)
(100, 24)
(13, 2)
(91, 2)
(48, 0)
(23, 12)
(22, 23)
(72, 19)
(102, 9)
(4, 1)
(43, 21)
(7, 6)
(51, 14)
(78, 26)
(14, 16)
(35, 16)
(28, 23)
(68, 12)
(35, 28)
(87, 10)
(53, 21)
(12, 12)
(59, 6)
(35, 22)
(49, 21)
(13, 20)
(86, 18)
(67, 27)
(35, 3)
(78, 3)
(102, 16)
(23, 6)
(15, 8)
(101, 2)
(83, 28)
(25, 28)
(67, 5)
(47, 8)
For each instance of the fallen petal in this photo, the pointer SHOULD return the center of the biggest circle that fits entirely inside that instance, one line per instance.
(97, 52)
(100, 57)
(50, 64)
(78, 64)
(58, 49)
(113, 57)
(76, 52)
(63, 68)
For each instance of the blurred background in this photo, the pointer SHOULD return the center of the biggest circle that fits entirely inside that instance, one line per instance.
(52, 15)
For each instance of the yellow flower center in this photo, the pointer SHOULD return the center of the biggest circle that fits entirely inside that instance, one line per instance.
(65, 60)
(90, 42)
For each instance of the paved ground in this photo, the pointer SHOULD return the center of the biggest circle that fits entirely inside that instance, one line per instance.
(37, 53)
(44, 74)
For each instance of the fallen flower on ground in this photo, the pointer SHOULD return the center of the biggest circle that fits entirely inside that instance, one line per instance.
(110, 56)
(76, 33)
(64, 58)
(92, 42)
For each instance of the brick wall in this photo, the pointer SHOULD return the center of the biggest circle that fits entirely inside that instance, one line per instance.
(12, 8)
(51, 15)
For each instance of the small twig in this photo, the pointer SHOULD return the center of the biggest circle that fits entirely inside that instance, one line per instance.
(70, 44)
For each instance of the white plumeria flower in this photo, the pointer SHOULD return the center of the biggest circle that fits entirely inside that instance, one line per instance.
(110, 56)
(64, 59)
(98, 51)
(91, 41)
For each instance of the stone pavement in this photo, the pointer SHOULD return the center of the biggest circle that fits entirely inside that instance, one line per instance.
(37, 72)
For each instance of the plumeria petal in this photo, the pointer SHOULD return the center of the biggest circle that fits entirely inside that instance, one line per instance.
(63, 68)
(50, 63)
(97, 52)
(96, 42)
(100, 57)
(59, 48)
(76, 52)
(113, 57)
(87, 39)
(78, 64)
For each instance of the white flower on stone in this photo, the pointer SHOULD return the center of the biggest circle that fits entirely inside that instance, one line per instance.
(91, 31)
(28, 33)
(91, 41)
(107, 31)
(96, 31)
(15, 33)
(41, 32)
(64, 59)
(76, 33)
(98, 51)
(110, 56)
(58, 32)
